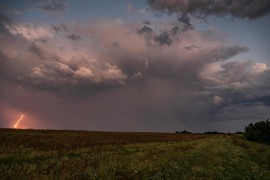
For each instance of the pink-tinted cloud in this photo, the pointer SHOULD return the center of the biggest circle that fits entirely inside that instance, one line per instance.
(118, 75)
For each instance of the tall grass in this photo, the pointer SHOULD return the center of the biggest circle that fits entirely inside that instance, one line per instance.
(107, 155)
(259, 153)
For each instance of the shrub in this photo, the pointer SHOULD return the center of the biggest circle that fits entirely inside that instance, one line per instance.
(258, 132)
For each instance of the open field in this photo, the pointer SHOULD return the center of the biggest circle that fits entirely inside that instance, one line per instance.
(48, 154)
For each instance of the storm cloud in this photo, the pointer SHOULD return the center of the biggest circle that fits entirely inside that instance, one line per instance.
(243, 9)
(203, 75)
(74, 37)
(163, 38)
(111, 74)
(240, 9)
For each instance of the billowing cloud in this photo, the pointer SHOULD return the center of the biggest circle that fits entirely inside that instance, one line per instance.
(74, 37)
(30, 31)
(132, 76)
(55, 75)
(60, 27)
(59, 65)
(243, 9)
(186, 21)
(145, 22)
(163, 38)
(217, 100)
(240, 9)
(145, 29)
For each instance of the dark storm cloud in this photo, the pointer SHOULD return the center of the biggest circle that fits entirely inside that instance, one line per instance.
(147, 32)
(47, 70)
(187, 70)
(241, 9)
(186, 21)
(55, 73)
(3, 65)
(163, 38)
(146, 22)
(245, 9)
(130, 86)
(74, 37)
(4, 18)
(191, 47)
(175, 30)
(145, 29)
(37, 51)
(264, 99)
(51, 72)
(239, 83)
(3, 21)
(6, 15)
(61, 27)
(225, 52)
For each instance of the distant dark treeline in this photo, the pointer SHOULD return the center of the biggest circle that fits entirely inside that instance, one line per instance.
(208, 132)
(239, 132)
(213, 132)
(183, 132)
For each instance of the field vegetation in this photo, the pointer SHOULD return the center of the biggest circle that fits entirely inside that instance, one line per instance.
(51, 154)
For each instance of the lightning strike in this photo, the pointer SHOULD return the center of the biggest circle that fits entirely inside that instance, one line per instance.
(18, 121)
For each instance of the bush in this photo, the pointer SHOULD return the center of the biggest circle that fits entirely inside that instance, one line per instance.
(258, 132)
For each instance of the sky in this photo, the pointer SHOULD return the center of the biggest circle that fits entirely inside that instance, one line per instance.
(123, 65)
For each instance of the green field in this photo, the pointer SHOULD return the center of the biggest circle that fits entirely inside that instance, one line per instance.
(49, 154)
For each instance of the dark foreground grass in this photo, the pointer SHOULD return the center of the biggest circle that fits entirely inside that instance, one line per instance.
(32, 154)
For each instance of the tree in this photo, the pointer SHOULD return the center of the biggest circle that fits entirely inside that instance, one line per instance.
(258, 132)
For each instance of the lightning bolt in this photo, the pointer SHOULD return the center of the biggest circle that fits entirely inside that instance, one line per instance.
(18, 121)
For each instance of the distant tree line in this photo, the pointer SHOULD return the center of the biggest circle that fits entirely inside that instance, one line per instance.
(213, 132)
(208, 132)
(183, 132)
(258, 132)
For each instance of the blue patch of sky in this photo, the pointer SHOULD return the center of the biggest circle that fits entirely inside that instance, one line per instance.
(84, 11)
(252, 34)
(81, 11)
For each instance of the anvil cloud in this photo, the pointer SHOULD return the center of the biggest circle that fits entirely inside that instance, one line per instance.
(131, 74)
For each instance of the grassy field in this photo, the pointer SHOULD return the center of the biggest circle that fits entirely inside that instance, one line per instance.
(48, 154)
